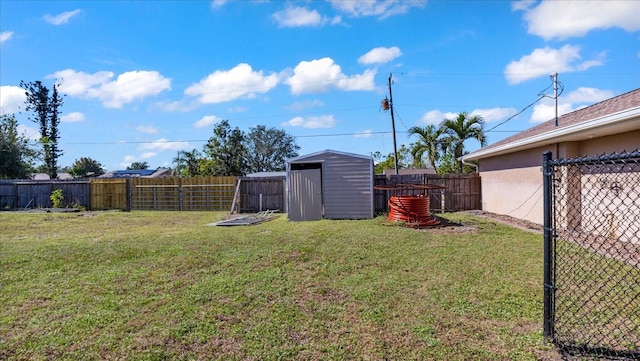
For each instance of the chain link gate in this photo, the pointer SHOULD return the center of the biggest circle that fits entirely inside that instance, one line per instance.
(592, 255)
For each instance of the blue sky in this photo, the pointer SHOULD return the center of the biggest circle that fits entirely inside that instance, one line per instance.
(145, 79)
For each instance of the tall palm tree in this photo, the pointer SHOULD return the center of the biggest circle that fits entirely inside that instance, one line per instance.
(180, 163)
(460, 129)
(187, 162)
(428, 143)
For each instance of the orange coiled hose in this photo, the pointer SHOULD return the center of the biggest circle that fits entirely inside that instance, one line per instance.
(414, 210)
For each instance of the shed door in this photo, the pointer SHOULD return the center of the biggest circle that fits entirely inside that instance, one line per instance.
(305, 195)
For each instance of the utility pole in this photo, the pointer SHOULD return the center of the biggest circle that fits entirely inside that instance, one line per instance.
(393, 126)
(554, 76)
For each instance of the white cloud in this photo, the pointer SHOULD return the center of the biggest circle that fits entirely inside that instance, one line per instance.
(323, 121)
(128, 159)
(11, 99)
(380, 8)
(72, 117)
(238, 82)
(77, 83)
(236, 109)
(380, 55)
(147, 129)
(297, 16)
(307, 104)
(493, 114)
(579, 98)
(163, 144)
(363, 134)
(31, 133)
(522, 4)
(130, 86)
(5, 35)
(546, 110)
(566, 19)
(216, 4)
(206, 121)
(127, 87)
(545, 61)
(589, 95)
(436, 117)
(175, 106)
(62, 18)
(320, 75)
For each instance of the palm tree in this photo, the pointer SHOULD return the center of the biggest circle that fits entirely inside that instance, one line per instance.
(462, 128)
(187, 162)
(428, 143)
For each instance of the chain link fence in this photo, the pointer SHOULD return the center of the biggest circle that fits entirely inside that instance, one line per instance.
(592, 255)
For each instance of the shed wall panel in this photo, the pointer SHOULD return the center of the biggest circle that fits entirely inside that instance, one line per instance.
(347, 187)
(305, 195)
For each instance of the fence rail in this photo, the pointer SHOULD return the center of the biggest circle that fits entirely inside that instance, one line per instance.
(462, 191)
(592, 255)
(198, 193)
(260, 194)
(22, 194)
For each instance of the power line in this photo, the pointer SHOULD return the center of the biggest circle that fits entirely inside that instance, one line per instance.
(515, 115)
(541, 95)
(206, 140)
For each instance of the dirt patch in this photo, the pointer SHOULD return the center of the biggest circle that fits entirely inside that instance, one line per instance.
(510, 221)
(449, 227)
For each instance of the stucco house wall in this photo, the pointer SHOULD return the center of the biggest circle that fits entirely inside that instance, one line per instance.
(512, 183)
(511, 170)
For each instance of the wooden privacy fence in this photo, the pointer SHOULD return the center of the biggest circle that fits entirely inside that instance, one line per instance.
(20, 194)
(462, 191)
(182, 194)
(109, 194)
(198, 193)
(260, 194)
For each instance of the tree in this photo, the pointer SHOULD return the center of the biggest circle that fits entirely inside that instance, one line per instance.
(188, 163)
(460, 129)
(449, 164)
(86, 167)
(138, 166)
(268, 149)
(404, 160)
(16, 156)
(428, 143)
(46, 111)
(226, 151)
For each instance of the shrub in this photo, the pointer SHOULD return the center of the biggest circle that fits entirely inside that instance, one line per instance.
(56, 198)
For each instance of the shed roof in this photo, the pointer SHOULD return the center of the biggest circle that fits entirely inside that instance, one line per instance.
(302, 158)
(611, 116)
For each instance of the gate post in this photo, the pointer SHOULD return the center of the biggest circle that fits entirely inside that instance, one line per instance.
(548, 259)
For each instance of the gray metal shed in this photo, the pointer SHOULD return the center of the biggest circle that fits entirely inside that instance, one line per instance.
(329, 184)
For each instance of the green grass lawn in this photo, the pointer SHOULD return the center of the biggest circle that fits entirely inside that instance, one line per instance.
(161, 285)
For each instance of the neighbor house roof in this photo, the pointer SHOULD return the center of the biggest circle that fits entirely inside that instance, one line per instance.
(138, 173)
(45, 176)
(612, 116)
